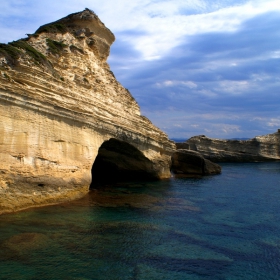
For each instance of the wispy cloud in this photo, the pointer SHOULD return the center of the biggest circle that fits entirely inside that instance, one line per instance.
(166, 23)
(174, 83)
(194, 66)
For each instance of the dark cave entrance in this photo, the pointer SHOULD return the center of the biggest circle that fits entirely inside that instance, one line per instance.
(118, 161)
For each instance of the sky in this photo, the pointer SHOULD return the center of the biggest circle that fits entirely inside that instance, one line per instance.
(195, 67)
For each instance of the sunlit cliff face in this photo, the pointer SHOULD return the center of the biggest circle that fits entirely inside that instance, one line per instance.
(59, 102)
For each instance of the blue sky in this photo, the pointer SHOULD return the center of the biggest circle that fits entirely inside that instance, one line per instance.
(195, 67)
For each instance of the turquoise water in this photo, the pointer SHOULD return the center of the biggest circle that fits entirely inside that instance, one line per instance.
(217, 227)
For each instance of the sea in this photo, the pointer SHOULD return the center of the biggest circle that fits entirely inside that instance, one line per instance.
(216, 227)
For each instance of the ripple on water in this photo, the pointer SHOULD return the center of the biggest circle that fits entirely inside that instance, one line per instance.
(219, 227)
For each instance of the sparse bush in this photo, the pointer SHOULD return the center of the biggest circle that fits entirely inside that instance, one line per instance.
(36, 55)
(11, 53)
(55, 47)
(52, 28)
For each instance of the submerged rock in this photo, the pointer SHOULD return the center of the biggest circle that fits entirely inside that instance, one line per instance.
(193, 163)
(59, 103)
(23, 243)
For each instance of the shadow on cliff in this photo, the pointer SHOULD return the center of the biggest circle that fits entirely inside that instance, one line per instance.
(118, 161)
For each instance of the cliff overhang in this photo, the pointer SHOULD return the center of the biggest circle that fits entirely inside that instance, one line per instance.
(59, 104)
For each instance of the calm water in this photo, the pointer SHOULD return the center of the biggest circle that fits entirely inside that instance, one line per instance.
(220, 227)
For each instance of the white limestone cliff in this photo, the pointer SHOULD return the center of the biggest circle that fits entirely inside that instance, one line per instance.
(257, 149)
(59, 103)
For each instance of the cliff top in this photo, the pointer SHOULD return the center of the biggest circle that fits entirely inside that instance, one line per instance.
(83, 25)
(66, 59)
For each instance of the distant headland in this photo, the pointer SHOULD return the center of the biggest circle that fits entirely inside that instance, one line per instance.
(259, 148)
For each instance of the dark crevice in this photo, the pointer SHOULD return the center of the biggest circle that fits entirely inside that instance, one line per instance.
(118, 161)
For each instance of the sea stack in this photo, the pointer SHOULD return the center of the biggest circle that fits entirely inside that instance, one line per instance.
(61, 108)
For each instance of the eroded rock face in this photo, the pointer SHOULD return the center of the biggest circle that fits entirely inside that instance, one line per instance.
(260, 148)
(193, 163)
(120, 161)
(59, 102)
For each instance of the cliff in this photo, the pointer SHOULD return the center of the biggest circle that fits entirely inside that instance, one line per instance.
(61, 108)
(260, 148)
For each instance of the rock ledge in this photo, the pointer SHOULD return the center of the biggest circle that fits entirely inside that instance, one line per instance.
(258, 149)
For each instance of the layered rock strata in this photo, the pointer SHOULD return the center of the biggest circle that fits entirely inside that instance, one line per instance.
(59, 103)
(193, 163)
(260, 148)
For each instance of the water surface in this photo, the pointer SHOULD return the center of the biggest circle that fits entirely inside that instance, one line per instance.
(216, 227)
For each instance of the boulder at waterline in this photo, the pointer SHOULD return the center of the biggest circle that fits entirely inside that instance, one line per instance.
(193, 163)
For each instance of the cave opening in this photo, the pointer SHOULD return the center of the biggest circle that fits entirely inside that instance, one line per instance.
(119, 161)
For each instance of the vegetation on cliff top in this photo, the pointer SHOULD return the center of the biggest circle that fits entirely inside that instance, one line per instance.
(54, 27)
(36, 55)
(16, 49)
(11, 53)
(55, 47)
(63, 25)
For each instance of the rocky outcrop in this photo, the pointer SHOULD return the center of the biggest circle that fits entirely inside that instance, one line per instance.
(60, 103)
(260, 148)
(193, 163)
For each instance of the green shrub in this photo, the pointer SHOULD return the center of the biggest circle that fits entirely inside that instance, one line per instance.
(52, 28)
(11, 53)
(36, 55)
(33, 35)
(55, 47)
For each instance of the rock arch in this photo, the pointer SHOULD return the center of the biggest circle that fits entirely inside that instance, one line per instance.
(58, 107)
(120, 161)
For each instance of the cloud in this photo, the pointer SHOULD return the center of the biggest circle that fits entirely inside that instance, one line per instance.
(169, 83)
(165, 24)
(194, 66)
(235, 83)
(274, 122)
